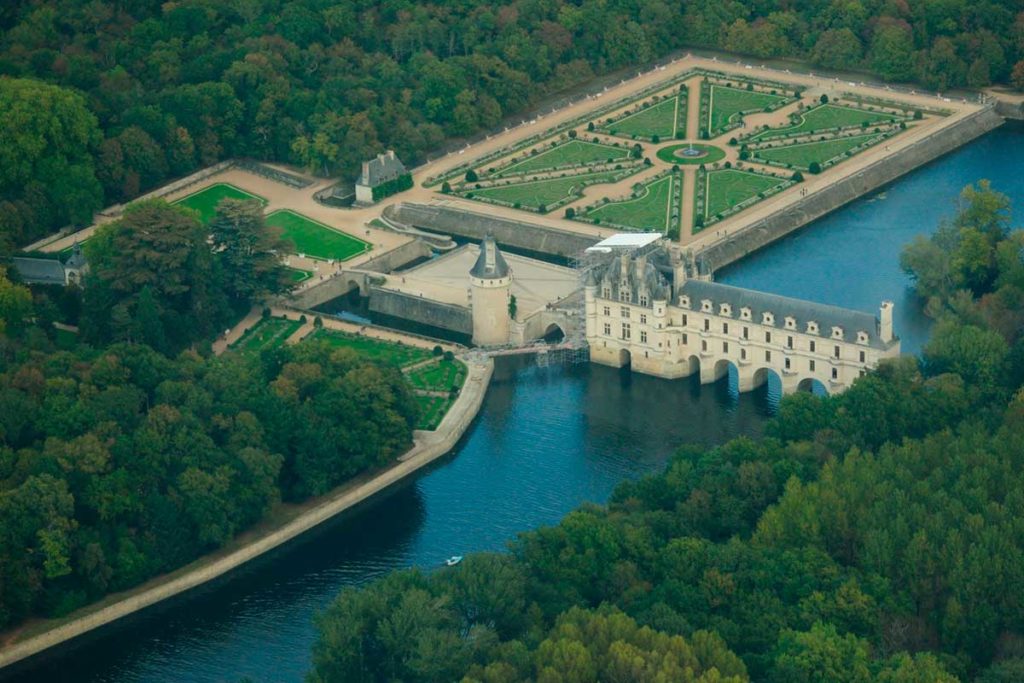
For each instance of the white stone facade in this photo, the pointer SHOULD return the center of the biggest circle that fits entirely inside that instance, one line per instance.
(701, 328)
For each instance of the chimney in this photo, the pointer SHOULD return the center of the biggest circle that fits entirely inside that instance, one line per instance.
(885, 322)
(366, 170)
(391, 154)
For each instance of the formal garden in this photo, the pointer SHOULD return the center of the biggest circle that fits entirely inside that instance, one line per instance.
(205, 201)
(739, 154)
(268, 333)
(315, 239)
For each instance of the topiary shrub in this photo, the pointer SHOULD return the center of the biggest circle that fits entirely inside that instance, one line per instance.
(437, 350)
(814, 167)
(471, 176)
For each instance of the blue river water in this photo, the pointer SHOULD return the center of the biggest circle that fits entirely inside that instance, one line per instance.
(547, 440)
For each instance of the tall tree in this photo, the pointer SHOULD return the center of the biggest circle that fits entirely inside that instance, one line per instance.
(249, 250)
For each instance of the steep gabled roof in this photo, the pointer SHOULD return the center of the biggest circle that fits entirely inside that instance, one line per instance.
(490, 265)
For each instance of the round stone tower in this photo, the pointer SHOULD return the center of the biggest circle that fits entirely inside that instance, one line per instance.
(490, 280)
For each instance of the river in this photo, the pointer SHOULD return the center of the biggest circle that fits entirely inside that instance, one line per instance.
(546, 440)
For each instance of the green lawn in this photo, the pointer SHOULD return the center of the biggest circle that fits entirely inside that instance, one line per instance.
(649, 211)
(432, 411)
(827, 116)
(542, 192)
(565, 154)
(315, 239)
(801, 155)
(297, 275)
(660, 119)
(205, 201)
(389, 353)
(268, 333)
(728, 187)
(729, 102)
(440, 376)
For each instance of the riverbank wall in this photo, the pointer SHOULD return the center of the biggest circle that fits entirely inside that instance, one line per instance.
(429, 446)
(420, 310)
(752, 237)
(475, 226)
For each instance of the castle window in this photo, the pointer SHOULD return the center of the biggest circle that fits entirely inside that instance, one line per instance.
(607, 310)
(705, 306)
(862, 357)
(703, 344)
(625, 331)
(746, 332)
(684, 301)
(790, 323)
(606, 293)
(813, 345)
(643, 299)
(684, 320)
(624, 295)
(837, 333)
(767, 318)
(643, 318)
(743, 354)
(725, 347)
(725, 309)
(787, 364)
(835, 373)
(767, 337)
(812, 327)
(643, 336)
(624, 311)
(725, 328)
(835, 351)
(862, 337)
(707, 325)
(686, 339)
(744, 313)
(767, 356)
(789, 342)
(811, 365)
(608, 329)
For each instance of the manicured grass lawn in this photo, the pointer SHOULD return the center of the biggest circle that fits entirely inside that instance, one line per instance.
(650, 211)
(386, 352)
(565, 154)
(728, 102)
(803, 154)
(205, 201)
(432, 411)
(728, 187)
(542, 192)
(268, 333)
(827, 116)
(659, 119)
(315, 239)
(298, 275)
(440, 376)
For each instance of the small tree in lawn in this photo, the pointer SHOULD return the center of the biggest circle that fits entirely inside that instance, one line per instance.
(590, 127)
(823, 99)
(655, 139)
(471, 176)
(446, 187)
(570, 212)
(798, 177)
(572, 134)
(814, 167)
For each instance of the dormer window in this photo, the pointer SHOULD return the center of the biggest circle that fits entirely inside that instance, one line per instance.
(767, 318)
(744, 313)
(705, 306)
(837, 333)
(862, 337)
(643, 299)
(684, 301)
(624, 294)
(790, 322)
(812, 327)
(725, 309)
(606, 292)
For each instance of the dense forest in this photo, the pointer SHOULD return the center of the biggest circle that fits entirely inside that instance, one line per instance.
(875, 535)
(137, 451)
(105, 99)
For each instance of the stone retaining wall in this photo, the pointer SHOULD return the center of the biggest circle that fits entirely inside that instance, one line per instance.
(796, 215)
(476, 226)
(429, 446)
(421, 310)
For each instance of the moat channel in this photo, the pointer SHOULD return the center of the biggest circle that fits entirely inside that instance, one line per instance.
(546, 440)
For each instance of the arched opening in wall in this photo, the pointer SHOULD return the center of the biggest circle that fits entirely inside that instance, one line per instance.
(694, 375)
(767, 389)
(354, 292)
(812, 385)
(726, 370)
(624, 358)
(554, 334)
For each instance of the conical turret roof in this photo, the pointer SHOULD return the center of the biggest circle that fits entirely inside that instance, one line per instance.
(490, 264)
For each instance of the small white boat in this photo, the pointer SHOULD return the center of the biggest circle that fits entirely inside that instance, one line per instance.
(453, 560)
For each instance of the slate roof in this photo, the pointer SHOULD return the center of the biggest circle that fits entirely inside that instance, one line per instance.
(802, 311)
(383, 168)
(490, 265)
(641, 276)
(39, 271)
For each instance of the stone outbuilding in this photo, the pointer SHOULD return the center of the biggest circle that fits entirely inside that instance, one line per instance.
(380, 177)
(45, 271)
